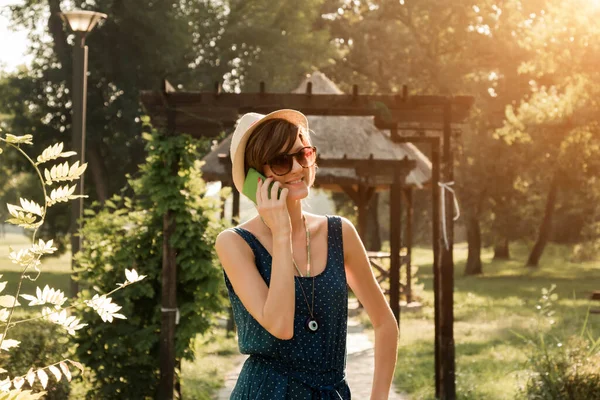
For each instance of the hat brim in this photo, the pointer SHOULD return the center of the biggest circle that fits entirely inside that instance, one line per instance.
(237, 169)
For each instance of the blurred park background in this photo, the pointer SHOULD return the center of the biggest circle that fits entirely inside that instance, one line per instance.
(527, 172)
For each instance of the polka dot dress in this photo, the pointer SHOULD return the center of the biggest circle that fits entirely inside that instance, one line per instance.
(310, 365)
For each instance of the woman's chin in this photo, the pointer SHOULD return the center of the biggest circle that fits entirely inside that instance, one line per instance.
(298, 194)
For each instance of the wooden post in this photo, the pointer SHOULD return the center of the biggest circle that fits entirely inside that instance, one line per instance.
(395, 241)
(448, 387)
(235, 212)
(223, 199)
(365, 194)
(435, 221)
(409, 242)
(361, 198)
(166, 384)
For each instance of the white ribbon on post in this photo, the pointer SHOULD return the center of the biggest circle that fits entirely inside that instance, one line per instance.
(175, 310)
(446, 186)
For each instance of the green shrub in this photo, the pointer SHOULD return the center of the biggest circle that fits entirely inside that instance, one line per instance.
(42, 343)
(558, 368)
(564, 371)
(128, 232)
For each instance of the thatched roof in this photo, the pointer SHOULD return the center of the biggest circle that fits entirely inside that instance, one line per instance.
(336, 137)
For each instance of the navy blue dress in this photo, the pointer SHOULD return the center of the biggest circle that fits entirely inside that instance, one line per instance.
(310, 365)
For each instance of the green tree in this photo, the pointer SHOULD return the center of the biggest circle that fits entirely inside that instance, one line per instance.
(191, 43)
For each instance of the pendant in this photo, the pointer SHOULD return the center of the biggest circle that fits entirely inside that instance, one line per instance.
(311, 325)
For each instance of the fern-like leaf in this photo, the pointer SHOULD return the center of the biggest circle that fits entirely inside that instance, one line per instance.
(62, 172)
(25, 139)
(54, 152)
(62, 195)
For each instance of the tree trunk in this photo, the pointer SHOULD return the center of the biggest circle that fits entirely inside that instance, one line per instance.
(59, 36)
(98, 171)
(501, 250)
(373, 225)
(546, 226)
(473, 266)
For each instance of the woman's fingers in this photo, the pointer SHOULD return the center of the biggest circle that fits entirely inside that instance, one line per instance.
(283, 195)
(264, 191)
(274, 190)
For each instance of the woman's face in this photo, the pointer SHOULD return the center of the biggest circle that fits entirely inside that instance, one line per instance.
(298, 180)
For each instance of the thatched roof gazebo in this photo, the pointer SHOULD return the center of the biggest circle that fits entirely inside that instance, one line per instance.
(351, 137)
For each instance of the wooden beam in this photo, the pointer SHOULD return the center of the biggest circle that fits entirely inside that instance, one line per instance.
(352, 193)
(365, 166)
(322, 104)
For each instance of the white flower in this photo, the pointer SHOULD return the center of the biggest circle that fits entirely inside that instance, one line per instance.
(23, 257)
(43, 247)
(132, 276)
(105, 308)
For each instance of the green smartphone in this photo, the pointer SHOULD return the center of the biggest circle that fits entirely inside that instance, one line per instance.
(251, 183)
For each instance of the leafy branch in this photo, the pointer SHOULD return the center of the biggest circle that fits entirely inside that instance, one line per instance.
(31, 215)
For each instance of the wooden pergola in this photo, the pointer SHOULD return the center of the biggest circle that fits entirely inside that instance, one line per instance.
(206, 114)
(339, 137)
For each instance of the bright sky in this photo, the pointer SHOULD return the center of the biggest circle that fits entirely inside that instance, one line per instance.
(12, 44)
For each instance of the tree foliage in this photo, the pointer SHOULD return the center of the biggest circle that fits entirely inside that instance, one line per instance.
(191, 43)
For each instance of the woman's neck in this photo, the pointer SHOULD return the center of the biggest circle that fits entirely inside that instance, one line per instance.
(295, 211)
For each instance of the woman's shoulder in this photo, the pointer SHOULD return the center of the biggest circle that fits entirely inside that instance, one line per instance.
(238, 235)
(323, 223)
(345, 222)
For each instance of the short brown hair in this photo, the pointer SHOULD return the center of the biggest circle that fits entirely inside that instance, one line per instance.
(268, 139)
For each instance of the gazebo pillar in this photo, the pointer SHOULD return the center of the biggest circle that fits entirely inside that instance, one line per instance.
(408, 194)
(361, 197)
(235, 207)
(395, 241)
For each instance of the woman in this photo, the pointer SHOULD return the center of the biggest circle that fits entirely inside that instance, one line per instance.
(286, 271)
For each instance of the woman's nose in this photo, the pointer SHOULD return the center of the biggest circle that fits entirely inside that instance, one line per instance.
(296, 165)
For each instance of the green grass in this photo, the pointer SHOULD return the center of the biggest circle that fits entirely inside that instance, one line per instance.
(55, 270)
(215, 356)
(489, 357)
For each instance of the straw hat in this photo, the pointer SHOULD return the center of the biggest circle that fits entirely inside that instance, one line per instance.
(244, 129)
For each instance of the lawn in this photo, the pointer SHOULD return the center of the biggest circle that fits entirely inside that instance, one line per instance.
(489, 356)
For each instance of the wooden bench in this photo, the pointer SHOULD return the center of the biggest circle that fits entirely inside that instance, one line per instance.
(374, 259)
(595, 296)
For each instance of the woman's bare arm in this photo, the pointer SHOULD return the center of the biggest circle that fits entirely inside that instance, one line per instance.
(272, 307)
(364, 285)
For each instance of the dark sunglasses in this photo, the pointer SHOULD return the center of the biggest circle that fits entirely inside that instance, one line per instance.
(283, 163)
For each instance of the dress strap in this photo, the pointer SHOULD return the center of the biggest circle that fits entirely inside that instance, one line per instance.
(335, 238)
(247, 236)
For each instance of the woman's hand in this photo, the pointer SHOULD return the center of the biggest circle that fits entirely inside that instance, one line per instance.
(272, 210)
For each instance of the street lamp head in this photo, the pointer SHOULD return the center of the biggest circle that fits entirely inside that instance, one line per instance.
(82, 21)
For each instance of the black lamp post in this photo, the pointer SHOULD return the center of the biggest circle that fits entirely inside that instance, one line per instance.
(81, 23)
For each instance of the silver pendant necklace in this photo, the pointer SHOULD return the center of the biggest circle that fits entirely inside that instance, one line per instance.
(311, 324)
